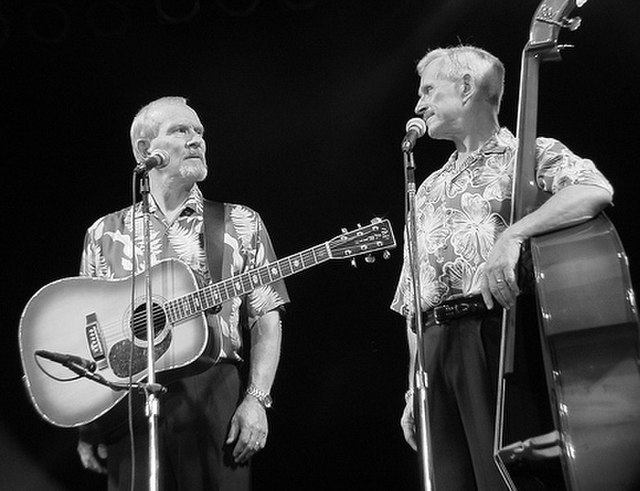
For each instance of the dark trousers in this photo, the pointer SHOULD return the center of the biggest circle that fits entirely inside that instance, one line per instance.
(192, 426)
(461, 361)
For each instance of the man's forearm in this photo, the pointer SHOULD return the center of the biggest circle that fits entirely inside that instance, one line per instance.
(569, 206)
(266, 338)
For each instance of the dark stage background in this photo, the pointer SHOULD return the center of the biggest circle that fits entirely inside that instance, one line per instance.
(304, 103)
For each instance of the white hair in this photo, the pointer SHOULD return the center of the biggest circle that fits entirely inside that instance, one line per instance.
(145, 126)
(486, 70)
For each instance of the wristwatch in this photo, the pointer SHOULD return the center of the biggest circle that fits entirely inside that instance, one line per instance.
(263, 397)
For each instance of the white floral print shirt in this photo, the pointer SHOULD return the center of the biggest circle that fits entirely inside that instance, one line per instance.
(461, 212)
(109, 253)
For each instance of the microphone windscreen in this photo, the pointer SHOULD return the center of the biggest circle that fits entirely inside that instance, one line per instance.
(418, 125)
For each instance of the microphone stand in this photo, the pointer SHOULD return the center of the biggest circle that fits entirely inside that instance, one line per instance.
(421, 378)
(152, 402)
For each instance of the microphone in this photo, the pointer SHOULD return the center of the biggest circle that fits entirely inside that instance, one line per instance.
(416, 127)
(68, 360)
(156, 159)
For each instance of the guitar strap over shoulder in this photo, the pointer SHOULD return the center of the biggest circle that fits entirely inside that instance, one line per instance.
(214, 237)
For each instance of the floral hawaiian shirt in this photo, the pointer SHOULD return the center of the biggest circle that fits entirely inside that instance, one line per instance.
(109, 253)
(461, 211)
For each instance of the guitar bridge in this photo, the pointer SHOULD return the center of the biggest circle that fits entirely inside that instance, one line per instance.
(94, 340)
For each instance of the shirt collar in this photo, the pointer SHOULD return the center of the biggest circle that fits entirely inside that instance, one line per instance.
(193, 203)
(497, 144)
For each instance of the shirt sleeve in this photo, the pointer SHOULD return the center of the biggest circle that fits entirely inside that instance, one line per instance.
(90, 252)
(274, 295)
(404, 289)
(558, 167)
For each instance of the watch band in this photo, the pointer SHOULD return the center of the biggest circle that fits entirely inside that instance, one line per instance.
(262, 397)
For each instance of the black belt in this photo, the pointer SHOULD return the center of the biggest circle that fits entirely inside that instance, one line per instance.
(456, 308)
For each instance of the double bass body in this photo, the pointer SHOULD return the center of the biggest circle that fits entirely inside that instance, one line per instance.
(568, 412)
(589, 328)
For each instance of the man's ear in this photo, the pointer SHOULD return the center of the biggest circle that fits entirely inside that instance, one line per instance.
(142, 147)
(468, 87)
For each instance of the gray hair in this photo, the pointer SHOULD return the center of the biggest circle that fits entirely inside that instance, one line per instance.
(487, 70)
(145, 126)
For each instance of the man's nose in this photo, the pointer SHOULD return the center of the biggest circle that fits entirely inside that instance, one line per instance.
(421, 107)
(196, 140)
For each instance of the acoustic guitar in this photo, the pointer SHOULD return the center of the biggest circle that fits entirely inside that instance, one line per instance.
(89, 324)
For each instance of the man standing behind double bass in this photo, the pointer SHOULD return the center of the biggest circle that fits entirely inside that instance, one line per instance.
(468, 252)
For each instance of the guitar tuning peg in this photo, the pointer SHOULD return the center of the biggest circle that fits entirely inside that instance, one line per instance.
(573, 23)
(344, 230)
(375, 220)
(359, 226)
(369, 259)
(386, 255)
(354, 264)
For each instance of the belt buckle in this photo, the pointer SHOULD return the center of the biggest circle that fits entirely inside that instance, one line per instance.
(441, 314)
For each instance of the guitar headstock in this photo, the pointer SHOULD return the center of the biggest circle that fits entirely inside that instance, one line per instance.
(377, 236)
(550, 17)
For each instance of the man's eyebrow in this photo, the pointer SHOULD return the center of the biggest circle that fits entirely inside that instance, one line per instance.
(184, 124)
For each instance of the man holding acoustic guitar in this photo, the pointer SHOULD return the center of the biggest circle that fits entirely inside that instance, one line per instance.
(209, 425)
(212, 277)
(467, 255)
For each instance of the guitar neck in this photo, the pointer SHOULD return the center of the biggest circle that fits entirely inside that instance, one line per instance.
(187, 306)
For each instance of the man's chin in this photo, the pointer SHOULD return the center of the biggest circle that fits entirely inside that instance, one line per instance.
(196, 171)
(435, 134)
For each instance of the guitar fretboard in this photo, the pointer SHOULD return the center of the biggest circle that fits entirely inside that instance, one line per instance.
(182, 308)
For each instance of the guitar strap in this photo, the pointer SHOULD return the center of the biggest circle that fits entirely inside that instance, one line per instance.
(214, 237)
(214, 248)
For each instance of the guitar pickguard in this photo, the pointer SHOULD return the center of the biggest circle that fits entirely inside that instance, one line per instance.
(119, 356)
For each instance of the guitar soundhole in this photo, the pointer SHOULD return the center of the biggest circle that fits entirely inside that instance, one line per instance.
(139, 327)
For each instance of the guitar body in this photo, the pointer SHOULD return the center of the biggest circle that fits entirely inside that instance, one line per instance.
(590, 342)
(91, 318)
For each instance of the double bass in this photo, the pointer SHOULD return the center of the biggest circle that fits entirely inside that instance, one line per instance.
(568, 410)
